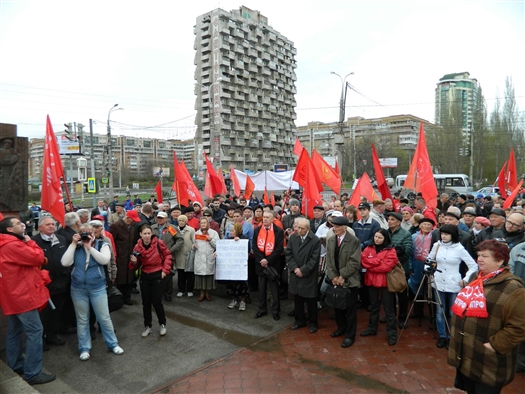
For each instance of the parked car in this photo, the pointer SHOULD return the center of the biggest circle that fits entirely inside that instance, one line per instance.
(488, 191)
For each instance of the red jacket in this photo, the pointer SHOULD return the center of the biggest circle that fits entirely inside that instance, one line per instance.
(377, 265)
(22, 287)
(150, 258)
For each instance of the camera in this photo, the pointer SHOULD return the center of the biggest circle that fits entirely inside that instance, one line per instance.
(136, 254)
(85, 236)
(431, 266)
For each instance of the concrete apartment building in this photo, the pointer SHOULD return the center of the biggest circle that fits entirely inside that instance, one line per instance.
(456, 89)
(245, 87)
(138, 155)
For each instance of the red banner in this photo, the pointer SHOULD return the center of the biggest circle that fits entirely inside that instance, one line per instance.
(326, 173)
(297, 148)
(382, 186)
(158, 190)
(235, 181)
(221, 178)
(213, 183)
(249, 188)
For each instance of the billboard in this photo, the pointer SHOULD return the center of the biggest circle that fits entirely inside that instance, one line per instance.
(280, 167)
(67, 147)
(161, 171)
(389, 162)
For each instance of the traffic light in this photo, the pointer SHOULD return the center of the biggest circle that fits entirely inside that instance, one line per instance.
(69, 131)
(80, 131)
(107, 171)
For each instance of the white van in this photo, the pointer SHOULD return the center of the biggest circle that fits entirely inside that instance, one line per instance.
(445, 183)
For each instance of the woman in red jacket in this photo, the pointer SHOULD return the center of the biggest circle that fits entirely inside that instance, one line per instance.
(379, 259)
(155, 259)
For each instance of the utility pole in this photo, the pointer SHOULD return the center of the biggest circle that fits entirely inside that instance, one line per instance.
(92, 157)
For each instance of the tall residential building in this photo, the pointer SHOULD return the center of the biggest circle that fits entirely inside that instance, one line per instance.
(456, 89)
(245, 87)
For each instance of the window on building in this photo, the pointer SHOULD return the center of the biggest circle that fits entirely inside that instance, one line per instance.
(147, 144)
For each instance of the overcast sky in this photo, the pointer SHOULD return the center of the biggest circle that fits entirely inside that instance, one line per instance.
(74, 60)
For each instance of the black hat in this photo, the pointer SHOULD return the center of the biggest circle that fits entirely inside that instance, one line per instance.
(398, 216)
(247, 207)
(340, 221)
(119, 204)
(319, 207)
(498, 211)
(427, 220)
(449, 213)
(364, 205)
(189, 209)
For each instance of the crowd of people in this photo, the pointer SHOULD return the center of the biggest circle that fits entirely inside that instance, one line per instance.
(469, 253)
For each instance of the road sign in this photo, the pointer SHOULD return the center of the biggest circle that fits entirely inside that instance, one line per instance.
(105, 181)
(280, 167)
(92, 185)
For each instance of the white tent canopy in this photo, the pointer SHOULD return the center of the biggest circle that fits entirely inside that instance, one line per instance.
(272, 180)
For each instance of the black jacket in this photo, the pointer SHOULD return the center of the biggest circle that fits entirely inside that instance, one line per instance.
(60, 275)
(274, 258)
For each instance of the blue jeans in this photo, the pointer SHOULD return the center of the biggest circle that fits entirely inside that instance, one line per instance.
(16, 324)
(99, 301)
(447, 300)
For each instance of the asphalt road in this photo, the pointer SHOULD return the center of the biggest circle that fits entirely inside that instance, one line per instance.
(198, 333)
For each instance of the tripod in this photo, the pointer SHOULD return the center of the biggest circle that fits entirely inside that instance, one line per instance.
(429, 276)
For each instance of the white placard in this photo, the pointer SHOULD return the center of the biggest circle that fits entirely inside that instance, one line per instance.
(232, 259)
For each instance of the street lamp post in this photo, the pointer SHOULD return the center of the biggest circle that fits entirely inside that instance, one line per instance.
(342, 107)
(215, 148)
(110, 152)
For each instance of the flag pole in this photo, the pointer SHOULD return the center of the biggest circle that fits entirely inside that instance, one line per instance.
(67, 193)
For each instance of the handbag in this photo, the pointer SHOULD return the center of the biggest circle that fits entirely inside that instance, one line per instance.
(115, 298)
(272, 274)
(396, 279)
(190, 261)
(337, 297)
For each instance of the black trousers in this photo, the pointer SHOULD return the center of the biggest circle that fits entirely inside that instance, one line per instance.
(185, 281)
(51, 318)
(151, 289)
(363, 291)
(300, 317)
(378, 295)
(473, 387)
(346, 319)
(125, 290)
(263, 303)
(402, 299)
(253, 278)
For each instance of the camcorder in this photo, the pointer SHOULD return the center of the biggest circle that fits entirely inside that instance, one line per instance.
(85, 236)
(431, 266)
(136, 254)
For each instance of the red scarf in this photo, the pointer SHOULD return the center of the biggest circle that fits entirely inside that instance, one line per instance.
(266, 240)
(471, 301)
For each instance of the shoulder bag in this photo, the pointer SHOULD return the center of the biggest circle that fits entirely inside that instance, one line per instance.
(190, 261)
(337, 297)
(396, 279)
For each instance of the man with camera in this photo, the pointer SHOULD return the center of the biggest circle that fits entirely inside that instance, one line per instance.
(173, 240)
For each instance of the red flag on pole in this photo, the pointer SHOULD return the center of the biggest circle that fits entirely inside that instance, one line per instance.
(326, 173)
(249, 188)
(235, 181)
(272, 200)
(510, 199)
(193, 192)
(183, 184)
(311, 195)
(501, 181)
(303, 174)
(363, 188)
(337, 170)
(213, 183)
(382, 186)
(158, 190)
(52, 197)
(420, 177)
(297, 148)
(221, 178)
(265, 196)
(512, 175)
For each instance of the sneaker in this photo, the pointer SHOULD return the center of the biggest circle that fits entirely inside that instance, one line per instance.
(43, 378)
(233, 304)
(84, 356)
(162, 329)
(190, 294)
(117, 350)
(146, 332)
(180, 294)
(242, 306)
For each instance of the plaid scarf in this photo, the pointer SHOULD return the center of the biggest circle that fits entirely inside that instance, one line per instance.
(471, 301)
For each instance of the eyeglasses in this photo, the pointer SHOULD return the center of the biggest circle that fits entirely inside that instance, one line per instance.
(514, 224)
(206, 214)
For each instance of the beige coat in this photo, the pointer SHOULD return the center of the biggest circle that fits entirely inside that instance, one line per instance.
(189, 239)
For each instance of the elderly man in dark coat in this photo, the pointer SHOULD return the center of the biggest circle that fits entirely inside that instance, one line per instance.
(343, 261)
(302, 255)
(124, 235)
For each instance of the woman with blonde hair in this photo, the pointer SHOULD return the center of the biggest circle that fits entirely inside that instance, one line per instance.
(185, 277)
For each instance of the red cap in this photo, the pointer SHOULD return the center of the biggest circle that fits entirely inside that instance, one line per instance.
(133, 215)
(98, 217)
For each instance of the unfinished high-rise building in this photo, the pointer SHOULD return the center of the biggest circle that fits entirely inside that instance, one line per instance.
(245, 87)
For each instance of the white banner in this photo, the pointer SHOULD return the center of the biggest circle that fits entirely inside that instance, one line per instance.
(272, 180)
(231, 262)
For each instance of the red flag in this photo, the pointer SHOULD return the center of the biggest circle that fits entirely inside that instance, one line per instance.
(420, 177)
(311, 195)
(213, 183)
(193, 192)
(158, 190)
(249, 188)
(272, 200)
(510, 199)
(235, 181)
(265, 196)
(221, 178)
(297, 148)
(326, 173)
(512, 176)
(303, 174)
(337, 170)
(52, 198)
(363, 188)
(501, 181)
(382, 186)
